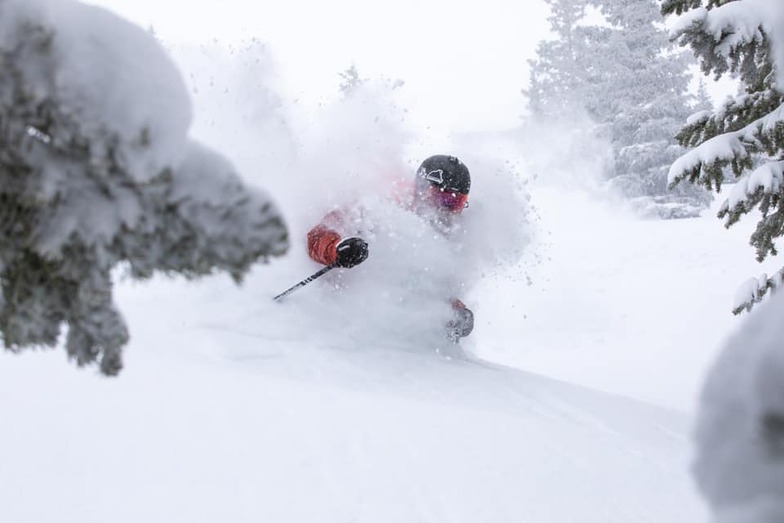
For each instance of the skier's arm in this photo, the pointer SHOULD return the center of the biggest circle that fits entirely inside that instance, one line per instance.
(328, 247)
(322, 244)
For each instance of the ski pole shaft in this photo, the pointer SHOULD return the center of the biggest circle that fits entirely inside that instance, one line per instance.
(304, 282)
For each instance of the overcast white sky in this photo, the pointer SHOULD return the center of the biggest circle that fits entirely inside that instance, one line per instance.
(464, 63)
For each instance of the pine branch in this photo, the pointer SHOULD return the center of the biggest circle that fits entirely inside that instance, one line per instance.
(755, 290)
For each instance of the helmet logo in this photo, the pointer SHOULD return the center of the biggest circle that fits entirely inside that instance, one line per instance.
(436, 176)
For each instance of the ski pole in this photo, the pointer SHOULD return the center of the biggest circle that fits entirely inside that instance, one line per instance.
(304, 282)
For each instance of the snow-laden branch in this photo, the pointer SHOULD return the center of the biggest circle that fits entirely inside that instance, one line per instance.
(97, 169)
(736, 24)
(754, 290)
(731, 25)
(768, 178)
(725, 148)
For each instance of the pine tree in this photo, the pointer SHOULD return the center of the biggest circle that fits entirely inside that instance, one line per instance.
(556, 75)
(96, 171)
(746, 135)
(702, 100)
(648, 102)
(625, 74)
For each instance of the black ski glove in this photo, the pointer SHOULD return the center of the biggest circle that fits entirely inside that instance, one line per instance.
(462, 323)
(351, 251)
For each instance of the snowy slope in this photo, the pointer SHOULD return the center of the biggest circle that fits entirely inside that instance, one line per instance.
(633, 307)
(232, 408)
(213, 420)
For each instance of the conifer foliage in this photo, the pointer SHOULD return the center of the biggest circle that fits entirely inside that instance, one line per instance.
(744, 137)
(556, 80)
(97, 171)
(619, 67)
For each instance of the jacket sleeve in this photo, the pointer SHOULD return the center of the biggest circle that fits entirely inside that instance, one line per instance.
(324, 238)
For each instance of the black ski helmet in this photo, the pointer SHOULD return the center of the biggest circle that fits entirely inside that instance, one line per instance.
(445, 172)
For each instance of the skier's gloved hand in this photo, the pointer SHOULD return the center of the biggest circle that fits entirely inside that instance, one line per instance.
(351, 252)
(462, 322)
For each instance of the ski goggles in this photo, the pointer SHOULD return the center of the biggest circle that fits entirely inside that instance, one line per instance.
(453, 201)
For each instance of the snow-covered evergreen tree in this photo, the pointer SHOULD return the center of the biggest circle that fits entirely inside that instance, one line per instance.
(739, 465)
(624, 72)
(556, 76)
(703, 100)
(745, 135)
(97, 171)
(645, 102)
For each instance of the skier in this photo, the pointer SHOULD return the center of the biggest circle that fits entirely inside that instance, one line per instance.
(440, 194)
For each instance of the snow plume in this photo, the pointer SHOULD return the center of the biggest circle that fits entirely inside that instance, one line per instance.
(352, 147)
(352, 154)
(740, 433)
(566, 154)
(350, 158)
(236, 90)
(312, 159)
(496, 225)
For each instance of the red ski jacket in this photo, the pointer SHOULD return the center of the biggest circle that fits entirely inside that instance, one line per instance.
(324, 238)
(339, 223)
